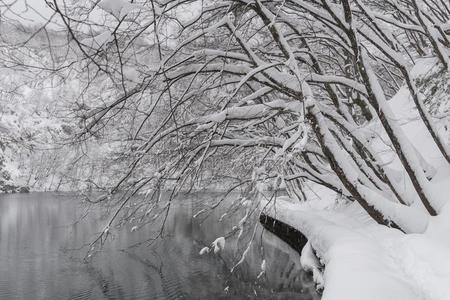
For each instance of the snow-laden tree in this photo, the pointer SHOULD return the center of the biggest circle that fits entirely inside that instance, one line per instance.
(311, 94)
(27, 69)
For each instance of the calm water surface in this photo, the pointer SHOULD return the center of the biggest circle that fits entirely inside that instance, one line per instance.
(41, 232)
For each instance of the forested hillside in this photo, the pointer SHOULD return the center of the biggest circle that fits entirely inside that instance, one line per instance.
(43, 105)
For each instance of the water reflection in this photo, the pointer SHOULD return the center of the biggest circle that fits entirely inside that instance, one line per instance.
(38, 230)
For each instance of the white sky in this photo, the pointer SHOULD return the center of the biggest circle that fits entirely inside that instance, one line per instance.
(28, 11)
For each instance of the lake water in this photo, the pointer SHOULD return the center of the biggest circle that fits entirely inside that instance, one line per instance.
(41, 255)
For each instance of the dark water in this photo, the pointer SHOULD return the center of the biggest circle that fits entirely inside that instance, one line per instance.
(39, 235)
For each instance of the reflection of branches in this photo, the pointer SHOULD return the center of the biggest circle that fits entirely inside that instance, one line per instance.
(146, 262)
(103, 235)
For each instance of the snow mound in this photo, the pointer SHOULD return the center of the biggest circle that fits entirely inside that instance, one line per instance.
(366, 261)
(204, 250)
(218, 244)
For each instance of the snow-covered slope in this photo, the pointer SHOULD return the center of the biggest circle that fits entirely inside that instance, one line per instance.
(364, 260)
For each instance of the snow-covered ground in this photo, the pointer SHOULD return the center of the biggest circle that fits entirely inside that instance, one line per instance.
(354, 258)
(364, 260)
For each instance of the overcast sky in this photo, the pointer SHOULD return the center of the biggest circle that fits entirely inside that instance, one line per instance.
(29, 11)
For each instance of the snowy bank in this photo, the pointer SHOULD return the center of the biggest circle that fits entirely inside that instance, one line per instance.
(364, 260)
(350, 255)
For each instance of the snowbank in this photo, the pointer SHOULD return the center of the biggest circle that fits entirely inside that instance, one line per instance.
(367, 261)
(351, 256)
